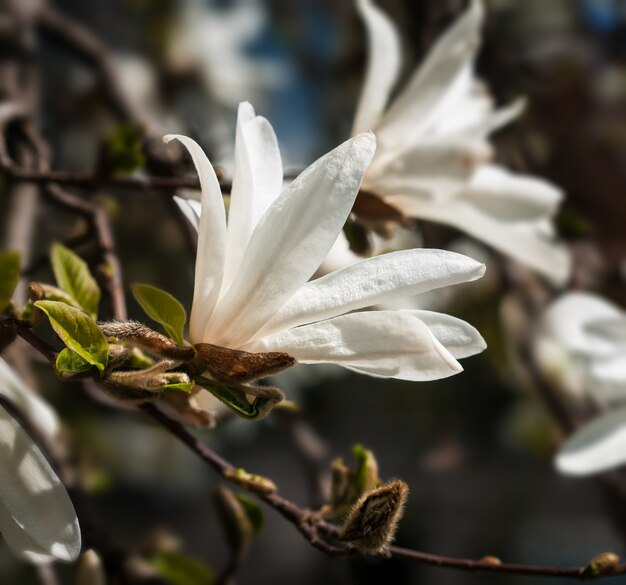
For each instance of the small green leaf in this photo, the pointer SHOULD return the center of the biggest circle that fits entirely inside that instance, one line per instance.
(186, 387)
(9, 276)
(253, 511)
(69, 363)
(73, 276)
(78, 331)
(366, 477)
(163, 308)
(180, 569)
(53, 293)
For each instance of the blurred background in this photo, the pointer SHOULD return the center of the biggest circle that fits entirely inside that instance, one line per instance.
(476, 449)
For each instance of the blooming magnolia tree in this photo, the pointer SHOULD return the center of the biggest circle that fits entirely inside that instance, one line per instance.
(332, 264)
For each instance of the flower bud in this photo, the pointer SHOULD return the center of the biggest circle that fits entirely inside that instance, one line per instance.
(251, 481)
(372, 523)
(90, 570)
(602, 564)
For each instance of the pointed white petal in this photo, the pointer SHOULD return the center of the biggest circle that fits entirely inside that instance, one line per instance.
(211, 240)
(389, 344)
(567, 319)
(598, 446)
(291, 240)
(526, 242)
(511, 197)
(502, 116)
(373, 281)
(37, 518)
(191, 209)
(383, 66)
(33, 407)
(457, 336)
(448, 62)
(257, 182)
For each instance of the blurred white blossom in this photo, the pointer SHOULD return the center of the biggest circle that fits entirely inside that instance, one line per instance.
(584, 347)
(37, 518)
(252, 289)
(434, 160)
(216, 42)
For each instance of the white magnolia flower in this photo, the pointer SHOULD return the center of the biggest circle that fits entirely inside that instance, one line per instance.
(216, 40)
(252, 289)
(37, 518)
(433, 157)
(588, 335)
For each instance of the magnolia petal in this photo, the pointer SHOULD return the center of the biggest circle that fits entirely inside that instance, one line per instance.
(383, 66)
(526, 242)
(611, 370)
(598, 446)
(291, 240)
(257, 182)
(33, 407)
(191, 209)
(389, 344)
(502, 116)
(447, 61)
(611, 328)
(37, 518)
(373, 281)
(511, 197)
(567, 318)
(457, 336)
(452, 159)
(211, 240)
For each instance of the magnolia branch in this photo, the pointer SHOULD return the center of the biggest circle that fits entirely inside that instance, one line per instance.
(314, 528)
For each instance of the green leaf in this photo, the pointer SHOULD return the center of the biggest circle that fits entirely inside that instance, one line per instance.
(69, 363)
(253, 512)
(78, 331)
(163, 308)
(9, 276)
(366, 477)
(52, 293)
(180, 569)
(73, 276)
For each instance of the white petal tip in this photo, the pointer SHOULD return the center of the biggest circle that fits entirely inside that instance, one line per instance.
(169, 137)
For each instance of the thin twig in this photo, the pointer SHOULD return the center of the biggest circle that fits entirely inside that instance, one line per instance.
(312, 527)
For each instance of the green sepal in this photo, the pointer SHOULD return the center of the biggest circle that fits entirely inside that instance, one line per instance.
(74, 277)
(163, 308)
(78, 331)
(9, 276)
(236, 400)
(185, 387)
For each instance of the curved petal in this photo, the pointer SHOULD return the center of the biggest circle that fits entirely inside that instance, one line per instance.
(447, 63)
(191, 209)
(33, 407)
(211, 240)
(383, 66)
(291, 240)
(566, 320)
(598, 446)
(511, 197)
(389, 344)
(373, 281)
(457, 336)
(612, 329)
(37, 518)
(526, 242)
(257, 182)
